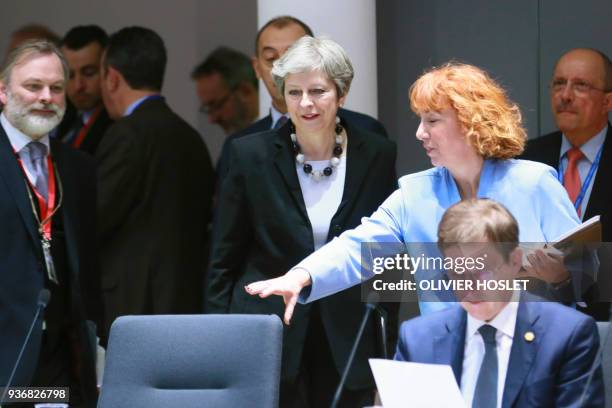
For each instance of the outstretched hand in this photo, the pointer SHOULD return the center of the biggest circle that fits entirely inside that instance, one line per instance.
(288, 286)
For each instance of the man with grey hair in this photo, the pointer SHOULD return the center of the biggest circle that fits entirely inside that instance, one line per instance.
(47, 208)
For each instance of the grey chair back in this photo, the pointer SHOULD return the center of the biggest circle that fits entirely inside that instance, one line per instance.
(605, 337)
(193, 361)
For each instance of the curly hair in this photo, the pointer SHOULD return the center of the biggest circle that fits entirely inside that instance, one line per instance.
(491, 122)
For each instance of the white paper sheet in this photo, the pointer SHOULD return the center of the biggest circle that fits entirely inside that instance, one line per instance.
(404, 384)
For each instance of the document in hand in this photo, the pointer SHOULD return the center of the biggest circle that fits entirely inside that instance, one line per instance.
(403, 384)
(589, 232)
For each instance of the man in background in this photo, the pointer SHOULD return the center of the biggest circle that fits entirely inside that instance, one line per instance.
(85, 126)
(155, 187)
(227, 88)
(271, 43)
(581, 150)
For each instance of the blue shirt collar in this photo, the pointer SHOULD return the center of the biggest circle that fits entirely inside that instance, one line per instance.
(590, 148)
(130, 109)
(276, 115)
(85, 115)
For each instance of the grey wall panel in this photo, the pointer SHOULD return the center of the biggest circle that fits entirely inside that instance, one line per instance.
(406, 48)
(499, 36)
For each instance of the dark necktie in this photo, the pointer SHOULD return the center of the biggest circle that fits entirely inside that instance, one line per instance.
(36, 164)
(485, 394)
(280, 122)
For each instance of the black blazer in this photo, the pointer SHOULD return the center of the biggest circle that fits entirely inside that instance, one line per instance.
(94, 134)
(261, 230)
(355, 118)
(546, 149)
(155, 191)
(21, 262)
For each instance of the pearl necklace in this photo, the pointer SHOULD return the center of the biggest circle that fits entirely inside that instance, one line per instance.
(333, 162)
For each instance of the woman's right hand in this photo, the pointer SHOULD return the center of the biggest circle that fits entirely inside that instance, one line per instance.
(288, 286)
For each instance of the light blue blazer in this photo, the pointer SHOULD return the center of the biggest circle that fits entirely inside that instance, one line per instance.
(529, 190)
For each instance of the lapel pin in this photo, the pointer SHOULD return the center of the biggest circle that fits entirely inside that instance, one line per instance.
(529, 336)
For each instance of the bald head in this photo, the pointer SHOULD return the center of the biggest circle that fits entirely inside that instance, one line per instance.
(594, 60)
(581, 93)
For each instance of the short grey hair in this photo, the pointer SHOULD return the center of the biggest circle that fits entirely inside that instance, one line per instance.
(31, 48)
(315, 54)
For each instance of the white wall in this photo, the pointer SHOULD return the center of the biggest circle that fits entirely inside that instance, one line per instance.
(352, 24)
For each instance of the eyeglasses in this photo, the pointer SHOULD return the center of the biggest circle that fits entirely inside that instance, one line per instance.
(577, 87)
(216, 105)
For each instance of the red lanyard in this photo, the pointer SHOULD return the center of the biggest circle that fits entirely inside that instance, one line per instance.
(46, 208)
(81, 136)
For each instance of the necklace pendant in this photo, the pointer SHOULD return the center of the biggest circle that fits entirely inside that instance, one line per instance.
(316, 175)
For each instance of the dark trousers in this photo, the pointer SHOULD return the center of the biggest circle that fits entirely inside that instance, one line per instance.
(55, 369)
(318, 377)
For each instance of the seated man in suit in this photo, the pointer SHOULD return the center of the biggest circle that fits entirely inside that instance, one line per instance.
(504, 352)
(271, 43)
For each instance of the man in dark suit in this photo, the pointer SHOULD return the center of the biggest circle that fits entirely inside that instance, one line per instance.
(47, 212)
(272, 41)
(155, 187)
(84, 127)
(504, 352)
(581, 97)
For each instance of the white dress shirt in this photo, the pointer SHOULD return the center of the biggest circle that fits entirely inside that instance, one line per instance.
(589, 150)
(474, 350)
(19, 140)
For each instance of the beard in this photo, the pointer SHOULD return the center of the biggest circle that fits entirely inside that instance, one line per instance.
(32, 124)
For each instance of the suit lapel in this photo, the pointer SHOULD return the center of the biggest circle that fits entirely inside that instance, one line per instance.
(449, 347)
(523, 352)
(601, 186)
(263, 124)
(551, 155)
(15, 183)
(69, 205)
(546, 149)
(285, 164)
(358, 157)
